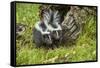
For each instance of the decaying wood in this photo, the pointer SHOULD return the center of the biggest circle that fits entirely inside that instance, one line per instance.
(73, 18)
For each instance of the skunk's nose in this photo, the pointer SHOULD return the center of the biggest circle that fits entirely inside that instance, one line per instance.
(57, 37)
(50, 42)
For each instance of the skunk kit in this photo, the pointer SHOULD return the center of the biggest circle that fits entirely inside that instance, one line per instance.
(50, 33)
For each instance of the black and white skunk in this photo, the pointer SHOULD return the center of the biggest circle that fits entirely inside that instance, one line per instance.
(48, 31)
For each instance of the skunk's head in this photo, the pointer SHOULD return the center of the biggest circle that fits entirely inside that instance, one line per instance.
(47, 39)
(56, 34)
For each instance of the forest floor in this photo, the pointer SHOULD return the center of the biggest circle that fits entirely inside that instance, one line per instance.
(84, 48)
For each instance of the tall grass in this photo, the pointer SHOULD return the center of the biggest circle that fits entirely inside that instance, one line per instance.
(84, 48)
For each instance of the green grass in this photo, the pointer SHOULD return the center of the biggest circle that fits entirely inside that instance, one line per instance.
(84, 48)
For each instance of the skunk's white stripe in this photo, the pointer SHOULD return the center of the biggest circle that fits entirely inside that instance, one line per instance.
(38, 27)
(57, 34)
(46, 17)
(49, 37)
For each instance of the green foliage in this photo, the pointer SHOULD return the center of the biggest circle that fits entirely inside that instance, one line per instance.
(84, 48)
